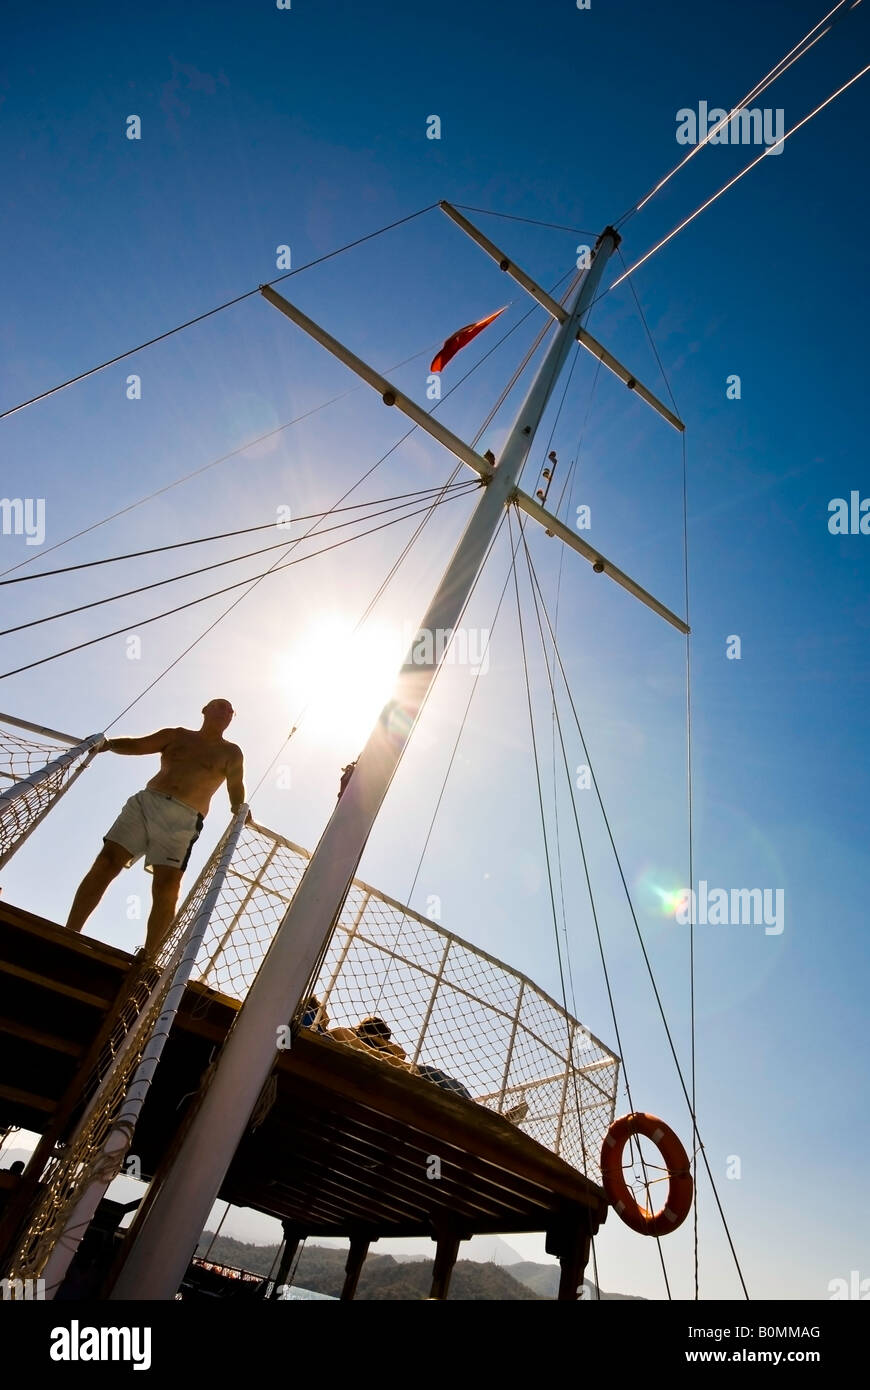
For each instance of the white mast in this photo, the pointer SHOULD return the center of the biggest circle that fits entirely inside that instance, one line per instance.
(165, 1237)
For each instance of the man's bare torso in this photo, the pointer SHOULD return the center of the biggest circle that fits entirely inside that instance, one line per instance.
(192, 767)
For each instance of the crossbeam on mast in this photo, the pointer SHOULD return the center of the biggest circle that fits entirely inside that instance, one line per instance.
(599, 563)
(552, 306)
(608, 360)
(559, 313)
(390, 394)
(461, 450)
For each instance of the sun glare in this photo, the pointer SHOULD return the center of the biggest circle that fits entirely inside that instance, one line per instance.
(342, 678)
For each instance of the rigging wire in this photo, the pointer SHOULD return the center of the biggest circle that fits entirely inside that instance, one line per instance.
(775, 72)
(288, 274)
(366, 613)
(636, 924)
(731, 182)
(466, 487)
(204, 468)
(586, 871)
(535, 222)
(475, 441)
(495, 346)
(410, 892)
(273, 569)
(418, 493)
(259, 439)
(569, 1050)
(572, 474)
(689, 784)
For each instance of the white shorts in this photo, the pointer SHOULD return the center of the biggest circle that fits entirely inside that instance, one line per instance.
(158, 826)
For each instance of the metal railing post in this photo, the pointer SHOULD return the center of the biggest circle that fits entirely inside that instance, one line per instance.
(510, 1051)
(345, 948)
(435, 988)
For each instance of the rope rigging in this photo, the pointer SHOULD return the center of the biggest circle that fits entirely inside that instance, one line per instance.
(633, 913)
(253, 584)
(696, 1143)
(196, 472)
(793, 56)
(218, 536)
(273, 569)
(492, 349)
(547, 860)
(160, 337)
(555, 710)
(470, 486)
(731, 182)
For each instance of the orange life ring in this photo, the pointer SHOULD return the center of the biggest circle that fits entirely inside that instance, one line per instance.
(620, 1196)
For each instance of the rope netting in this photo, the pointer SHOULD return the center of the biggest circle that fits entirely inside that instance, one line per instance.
(35, 769)
(465, 1021)
(105, 1089)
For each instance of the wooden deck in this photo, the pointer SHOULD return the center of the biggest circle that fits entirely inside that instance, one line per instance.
(347, 1147)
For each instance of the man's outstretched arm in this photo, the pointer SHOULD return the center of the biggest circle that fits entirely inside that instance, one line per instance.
(151, 743)
(236, 780)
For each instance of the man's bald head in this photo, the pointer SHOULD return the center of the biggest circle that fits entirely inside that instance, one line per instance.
(217, 714)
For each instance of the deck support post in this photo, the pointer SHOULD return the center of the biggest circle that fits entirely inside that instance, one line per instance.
(356, 1258)
(292, 1239)
(570, 1242)
(447, 1241)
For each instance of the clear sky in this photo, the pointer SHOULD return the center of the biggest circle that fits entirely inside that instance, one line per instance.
(308, 127)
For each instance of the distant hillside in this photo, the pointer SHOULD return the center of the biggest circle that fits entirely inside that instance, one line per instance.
(321, 1269)
(543, 1280)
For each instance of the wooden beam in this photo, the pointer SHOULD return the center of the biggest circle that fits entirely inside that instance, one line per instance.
(28, 1098)
(446, 1250)
(359, 1248)
(292, 1238)
(384, 1177)
(455, 1122)
(17, 1029)
(98, 1001)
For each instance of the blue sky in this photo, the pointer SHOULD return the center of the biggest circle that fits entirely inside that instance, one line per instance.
(308, 127)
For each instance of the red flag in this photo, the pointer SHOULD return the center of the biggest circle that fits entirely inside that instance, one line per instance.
(458, 341)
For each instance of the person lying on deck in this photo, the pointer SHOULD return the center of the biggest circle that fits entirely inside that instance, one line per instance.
(163, 821)
(373, 1033)
(440, 1078)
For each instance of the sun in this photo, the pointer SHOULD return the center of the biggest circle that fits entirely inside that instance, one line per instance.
(340, 678)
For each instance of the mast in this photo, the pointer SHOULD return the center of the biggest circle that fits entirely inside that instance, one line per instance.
(164, 1238)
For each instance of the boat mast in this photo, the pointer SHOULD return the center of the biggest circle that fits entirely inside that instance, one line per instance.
(164, 1238)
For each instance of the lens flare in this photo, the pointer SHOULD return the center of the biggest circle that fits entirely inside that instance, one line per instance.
(660, 893)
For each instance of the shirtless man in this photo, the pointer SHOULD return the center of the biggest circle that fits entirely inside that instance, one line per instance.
(163, 821)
